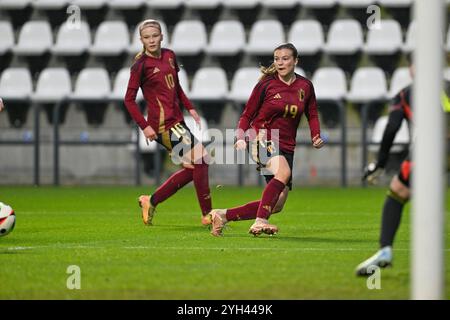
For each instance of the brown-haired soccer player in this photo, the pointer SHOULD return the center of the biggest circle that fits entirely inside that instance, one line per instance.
(155, 71)
(276, 105)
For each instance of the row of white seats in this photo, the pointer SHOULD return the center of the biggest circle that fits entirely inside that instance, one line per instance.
(208, 84)
(227, 37)
(200, 4)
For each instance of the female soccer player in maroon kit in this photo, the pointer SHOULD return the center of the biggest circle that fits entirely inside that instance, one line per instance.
(276, 103)
(155, 71)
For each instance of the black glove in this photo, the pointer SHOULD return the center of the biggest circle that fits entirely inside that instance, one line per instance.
(372, 172)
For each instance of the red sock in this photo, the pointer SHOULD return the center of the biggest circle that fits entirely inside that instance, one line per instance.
(269, 198)
(201, 183)
(245, 212)
(175, 182)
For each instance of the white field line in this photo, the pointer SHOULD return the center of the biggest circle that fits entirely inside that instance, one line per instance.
(194, 248)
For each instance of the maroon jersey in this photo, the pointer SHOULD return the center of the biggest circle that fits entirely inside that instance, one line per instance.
(275, 105)
(158, 79)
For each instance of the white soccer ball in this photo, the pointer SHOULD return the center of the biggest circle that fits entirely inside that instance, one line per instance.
(7, 219)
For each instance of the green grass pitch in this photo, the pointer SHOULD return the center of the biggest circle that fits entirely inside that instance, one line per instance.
(324, 234)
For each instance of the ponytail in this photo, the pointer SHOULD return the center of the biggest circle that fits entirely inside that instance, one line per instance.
(267, 71)
(140, 53)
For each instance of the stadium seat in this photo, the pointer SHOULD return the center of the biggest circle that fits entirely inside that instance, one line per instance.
(344, 43)
(111, 38)
(6, 44)
(92, 84)
(34, 43)
(410, 38)
(308, 38)
(16, 88)
(35, 38)
(242, 84)
(209, 84)
(111, 44)
(72, 45)
(345, 37)
(92, 91)
(72, 41)
(53, 86)
(227, 38)
(400, 79)
(16, 84)
(368, 89)
(136, 44)
(226, 44)
(331, 88)
(384, 40)
(383, 44)
(265, 35)
(189, 39)
(210, 90)
(330, 84)
(367, 83)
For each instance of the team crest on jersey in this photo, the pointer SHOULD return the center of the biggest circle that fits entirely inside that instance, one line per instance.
(171, 63)
(301, 94)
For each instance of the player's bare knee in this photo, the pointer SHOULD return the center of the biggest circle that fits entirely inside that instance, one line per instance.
(283, 175)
